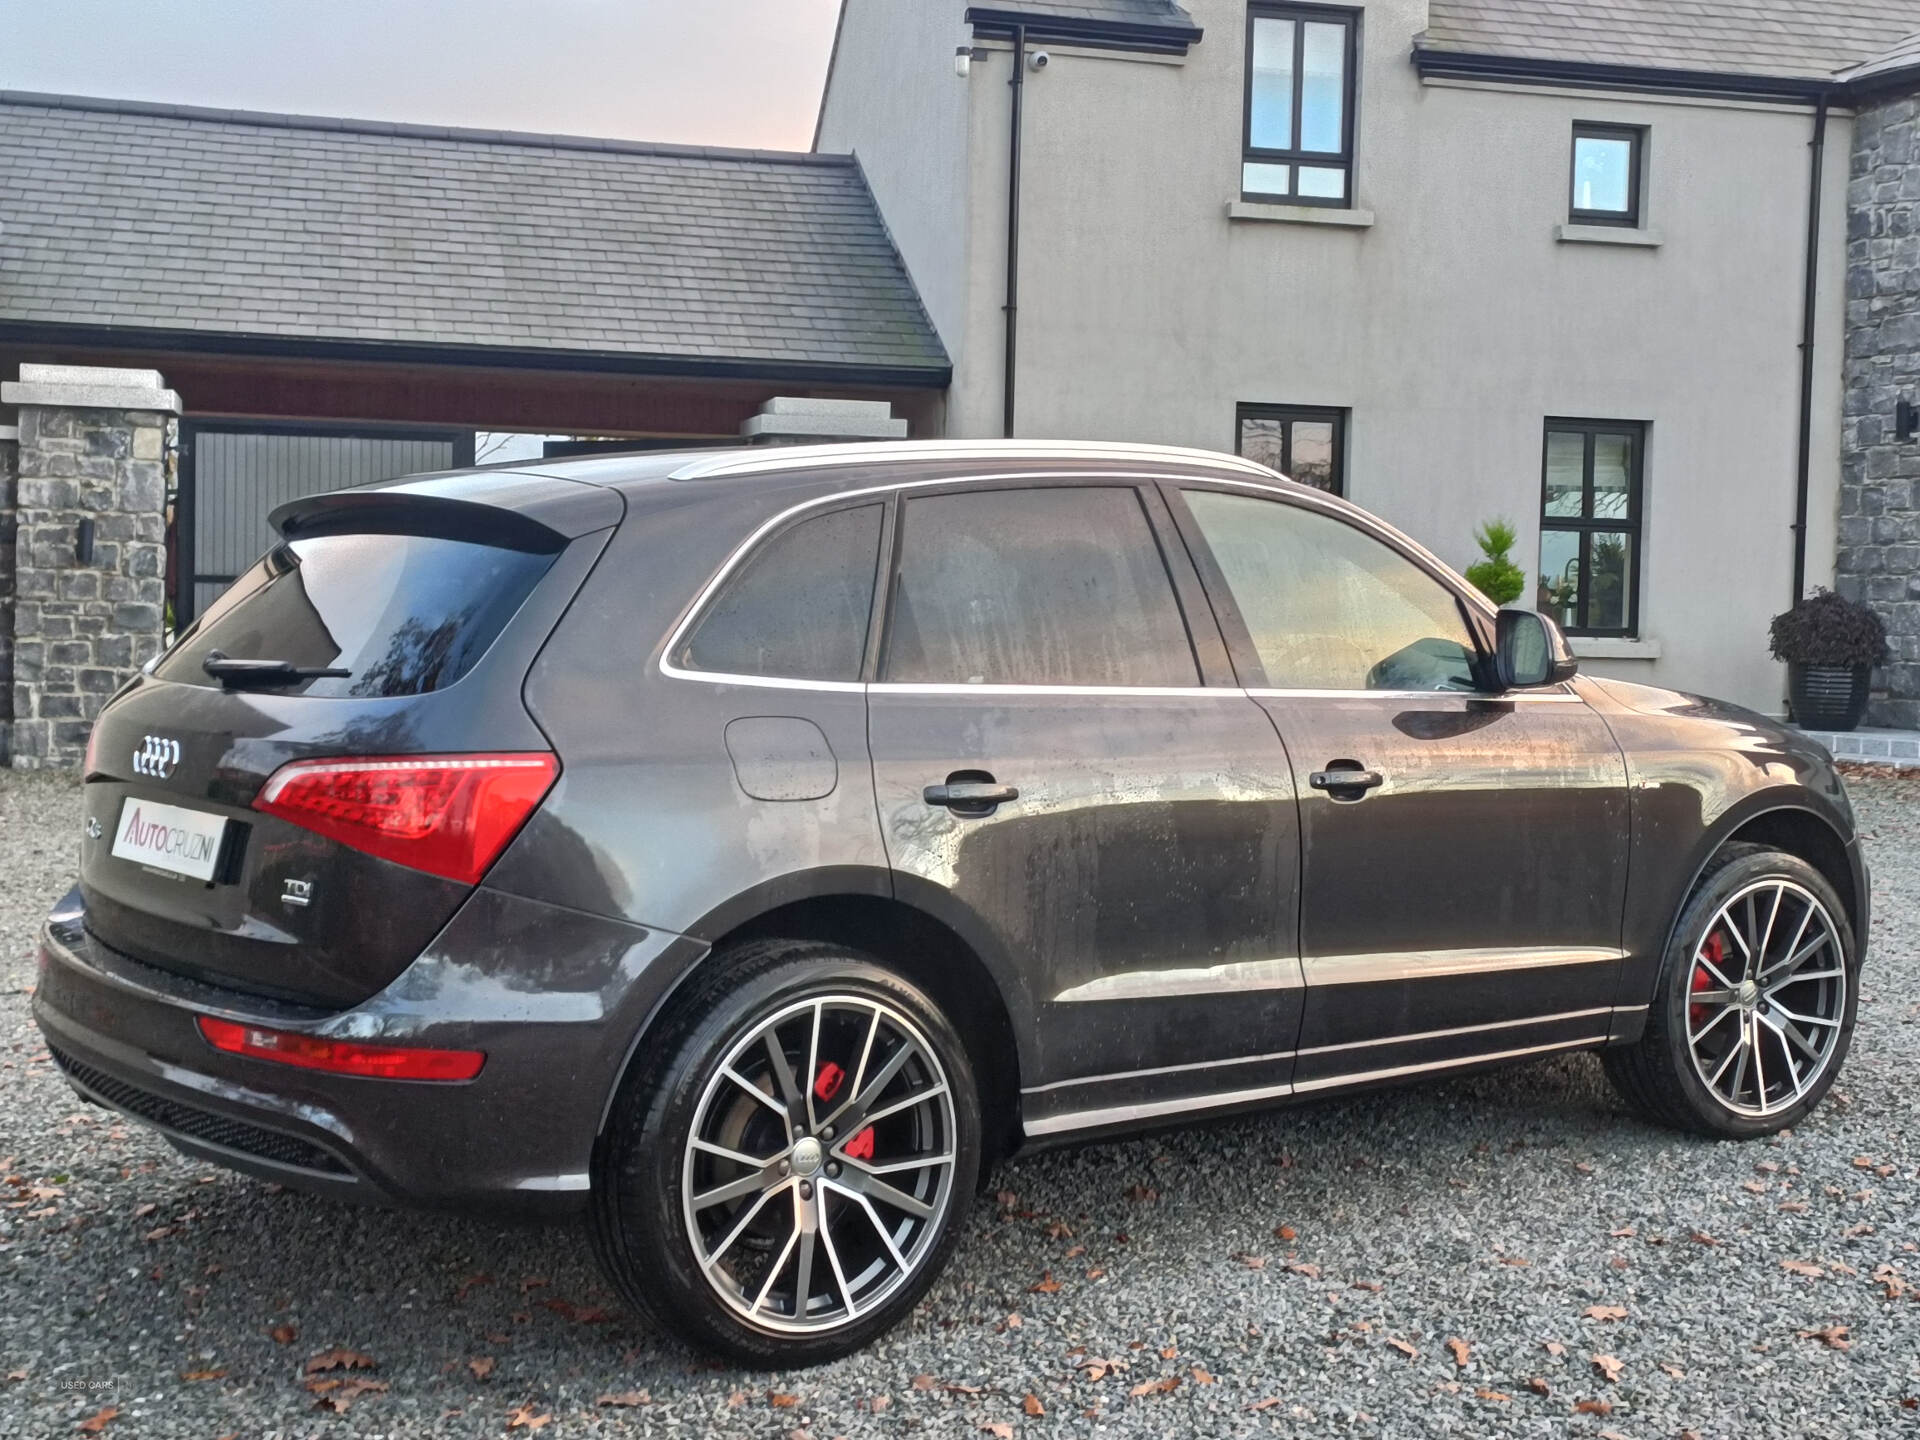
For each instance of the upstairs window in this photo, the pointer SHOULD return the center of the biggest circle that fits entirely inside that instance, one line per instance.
(1299, 104)
(1606, 175)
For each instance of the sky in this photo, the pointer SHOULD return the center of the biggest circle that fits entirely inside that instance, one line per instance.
(700, 72)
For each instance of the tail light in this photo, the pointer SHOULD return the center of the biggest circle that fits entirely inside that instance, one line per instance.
(449, 815)
(343, 1057)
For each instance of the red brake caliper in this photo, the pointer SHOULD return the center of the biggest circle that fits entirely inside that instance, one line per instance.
(1715, 951)
(826, 1085)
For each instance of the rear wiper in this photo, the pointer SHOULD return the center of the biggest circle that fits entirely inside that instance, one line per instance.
(243, 674)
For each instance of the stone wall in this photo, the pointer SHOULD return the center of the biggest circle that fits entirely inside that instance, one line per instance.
(1879, 540)
(9, 474)
(94, 446)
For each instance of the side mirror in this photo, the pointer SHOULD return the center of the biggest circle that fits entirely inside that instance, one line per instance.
(1530, 651)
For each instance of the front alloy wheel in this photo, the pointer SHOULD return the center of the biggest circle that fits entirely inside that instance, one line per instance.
(789, 1161)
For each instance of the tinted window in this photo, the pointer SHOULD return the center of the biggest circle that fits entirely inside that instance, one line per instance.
(1034, 587)
(404, 614)
(798, 608)
(1328, 607)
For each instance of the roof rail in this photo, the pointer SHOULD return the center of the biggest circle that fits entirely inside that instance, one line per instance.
(811, 457)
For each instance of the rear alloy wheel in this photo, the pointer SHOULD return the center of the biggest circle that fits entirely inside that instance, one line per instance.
(798, 1176)
(1756, 1001)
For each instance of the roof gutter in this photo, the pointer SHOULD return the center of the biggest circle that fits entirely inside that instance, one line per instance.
(1000, 23)
(1591, 75)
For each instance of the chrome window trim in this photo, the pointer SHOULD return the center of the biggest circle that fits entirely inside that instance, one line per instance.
(1156, 1070)
(705, 594)
(904, 687)
(1388, 966)
(1459, 1030)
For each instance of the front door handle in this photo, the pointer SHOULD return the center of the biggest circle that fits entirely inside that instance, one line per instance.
(970, 797)
(1346, 784)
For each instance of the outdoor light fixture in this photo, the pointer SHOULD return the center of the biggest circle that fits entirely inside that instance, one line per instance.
(83, 542)
(963, 61)
(1906, 420)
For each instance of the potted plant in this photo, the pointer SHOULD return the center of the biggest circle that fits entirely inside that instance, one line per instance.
(1830, 645)
(1496, 577)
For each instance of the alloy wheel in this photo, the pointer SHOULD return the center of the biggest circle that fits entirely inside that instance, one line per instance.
(819, 1167)
(1766, 998)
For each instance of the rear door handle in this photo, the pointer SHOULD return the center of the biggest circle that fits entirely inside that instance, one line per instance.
(970, 795)
(1334, 781)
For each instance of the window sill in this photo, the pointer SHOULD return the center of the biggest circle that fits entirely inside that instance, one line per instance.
(1608, 647)
(1299, 214)
(1606, 235)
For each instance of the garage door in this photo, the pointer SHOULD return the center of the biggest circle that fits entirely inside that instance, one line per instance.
(233, 478)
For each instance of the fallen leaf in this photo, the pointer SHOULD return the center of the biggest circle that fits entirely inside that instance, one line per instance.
(999, 1429)
(1625, 1232)
(1168, 1352)
(1674, 1370)
(1074, 1252)
(1014, 1322)
(141, 1212)
(1803, 1267)
(1140, 1194)
(1046, 1285)
(1554, 1347)
(1834, 1337)
(1608, 1367)
(626, 1399)
(1286, 1232)
(1581, 1167)
(1793, 1207)
(1461, 1352)
(780, 1400)
(1166, 1385)
(481, 1366)
(1267, 1404)
(341, 1360)
(1370, 1286)
(1753, 1186)
(1863, 1162)
(193, 1377)
(284, 1334)
(1404, 1348)
(1516, 1261)
(1593, 1407)
(1700, 1237)
(1252, 1262)
(95, 1423)
(523, 1417)
(1486, 1394)
(1032, 1405)
(879, 1403)
(1539, 1386)
(1312, 1272)
(1201, 1377)
(925, 1382)
(1604, 1312)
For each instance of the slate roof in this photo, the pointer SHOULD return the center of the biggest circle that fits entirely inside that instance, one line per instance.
(1808, 39)
(1152, 20)
(1125, 12)
(167, 218)
(1904, 56)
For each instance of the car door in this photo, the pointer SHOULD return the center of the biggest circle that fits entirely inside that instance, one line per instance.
(1054, 770)
(1464, 851)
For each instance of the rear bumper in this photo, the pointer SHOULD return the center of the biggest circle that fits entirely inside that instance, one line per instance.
(553, 999)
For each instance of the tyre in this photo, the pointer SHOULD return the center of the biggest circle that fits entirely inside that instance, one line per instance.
(790, 1159)
(1754, 1008)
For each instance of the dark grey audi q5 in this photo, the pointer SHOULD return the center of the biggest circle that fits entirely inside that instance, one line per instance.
(746, 849)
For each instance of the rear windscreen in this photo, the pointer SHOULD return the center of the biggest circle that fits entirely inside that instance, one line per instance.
(402, 614)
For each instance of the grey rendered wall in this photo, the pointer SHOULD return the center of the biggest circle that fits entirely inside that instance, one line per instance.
(1452, 326)
(893, 100)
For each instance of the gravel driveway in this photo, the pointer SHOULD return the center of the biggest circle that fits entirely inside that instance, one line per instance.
(1464, 1258)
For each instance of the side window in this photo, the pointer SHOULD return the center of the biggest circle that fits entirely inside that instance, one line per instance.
(1327, 606)
(1034, 587)
(798, 607)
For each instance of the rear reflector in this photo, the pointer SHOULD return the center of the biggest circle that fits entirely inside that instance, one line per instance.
(449, 815)
(342, 1057)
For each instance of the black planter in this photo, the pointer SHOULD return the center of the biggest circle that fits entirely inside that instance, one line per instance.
(1828, 697)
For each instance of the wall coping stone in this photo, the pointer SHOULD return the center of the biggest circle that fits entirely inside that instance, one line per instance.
(90, 387)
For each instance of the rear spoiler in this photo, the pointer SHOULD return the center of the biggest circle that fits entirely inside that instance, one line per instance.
(494, 507)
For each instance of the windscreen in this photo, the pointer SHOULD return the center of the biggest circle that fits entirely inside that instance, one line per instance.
(402, 614)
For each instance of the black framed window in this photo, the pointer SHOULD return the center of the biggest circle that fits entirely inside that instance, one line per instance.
(1606, 174)
(1057, 586)
(1304, 443)
(1300, 94)
(1590, 525)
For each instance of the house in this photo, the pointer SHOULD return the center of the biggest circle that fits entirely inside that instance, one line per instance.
(1455, 259)
(1641, 278)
